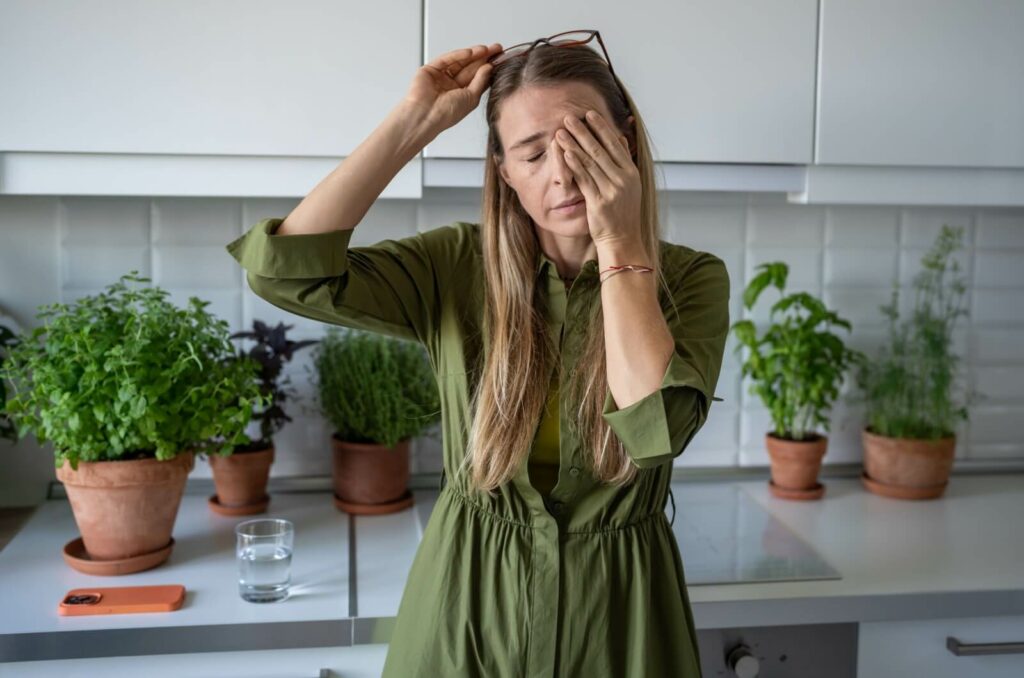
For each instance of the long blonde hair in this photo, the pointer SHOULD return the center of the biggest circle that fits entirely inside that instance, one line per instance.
(512, 390)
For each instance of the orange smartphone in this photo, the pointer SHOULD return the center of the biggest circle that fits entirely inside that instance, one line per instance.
(122, 599)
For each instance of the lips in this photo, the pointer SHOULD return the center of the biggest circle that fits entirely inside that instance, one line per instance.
(569, 202)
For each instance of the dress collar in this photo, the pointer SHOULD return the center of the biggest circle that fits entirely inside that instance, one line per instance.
(589, 266)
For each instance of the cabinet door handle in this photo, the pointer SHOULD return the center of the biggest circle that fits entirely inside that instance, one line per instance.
(969, 649)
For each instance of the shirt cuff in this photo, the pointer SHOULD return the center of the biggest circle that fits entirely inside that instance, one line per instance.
(299, 256)
(658, 427)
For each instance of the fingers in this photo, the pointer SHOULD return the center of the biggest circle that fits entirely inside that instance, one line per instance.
(453, 59)
(468, 75)
(481, 78)
(587, 151)
(610, 144)
(455, 62)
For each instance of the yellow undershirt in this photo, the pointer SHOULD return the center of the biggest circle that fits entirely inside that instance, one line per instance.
(544, 456)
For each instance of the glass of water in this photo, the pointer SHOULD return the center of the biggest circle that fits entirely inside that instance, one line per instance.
(264, 552)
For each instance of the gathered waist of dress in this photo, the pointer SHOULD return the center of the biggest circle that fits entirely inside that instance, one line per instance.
(458, 495)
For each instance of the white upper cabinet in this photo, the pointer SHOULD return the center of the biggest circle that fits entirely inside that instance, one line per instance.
(305, 80)
(921, 82)
(310, 78)
(716, 81)
(831, 101)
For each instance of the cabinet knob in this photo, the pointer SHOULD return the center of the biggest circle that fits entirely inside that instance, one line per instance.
(742, 662)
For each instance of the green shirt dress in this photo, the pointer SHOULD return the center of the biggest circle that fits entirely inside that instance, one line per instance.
(585, 580)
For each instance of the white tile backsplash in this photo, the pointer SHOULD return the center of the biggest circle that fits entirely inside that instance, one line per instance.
(858, 305)
(1002, 307)
(190, 223)
(104, 222)
(910, 263)
(59, 248)
(862, 226)
(921, 225)
(98, 265)
(786, 225)
(994, 346)
(1000, 268)
(804, 265)
(191, 267)
(1000, 228)
(859, 266)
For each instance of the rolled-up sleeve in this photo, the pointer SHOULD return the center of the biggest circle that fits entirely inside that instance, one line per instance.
(658, 427)
(390, 287)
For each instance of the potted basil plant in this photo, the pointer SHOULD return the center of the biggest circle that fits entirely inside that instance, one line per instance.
(128, 387)
(240, 474)
(8, 431)
(796, 368)
(910, 388)
(378, 392)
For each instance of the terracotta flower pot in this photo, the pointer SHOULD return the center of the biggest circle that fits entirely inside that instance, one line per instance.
(241, 478)
(796, 463)
(907, 468)
(126, 508)
(370, 478)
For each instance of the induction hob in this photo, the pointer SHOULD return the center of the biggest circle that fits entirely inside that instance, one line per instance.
(727, 537)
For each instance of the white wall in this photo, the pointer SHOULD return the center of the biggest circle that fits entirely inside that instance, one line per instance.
(58, 248)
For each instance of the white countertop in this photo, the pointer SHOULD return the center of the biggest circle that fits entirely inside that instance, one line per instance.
(203, 559)
(961, 555)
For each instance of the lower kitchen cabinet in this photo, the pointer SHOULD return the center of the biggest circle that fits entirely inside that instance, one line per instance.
(357, 661)
(911, 649)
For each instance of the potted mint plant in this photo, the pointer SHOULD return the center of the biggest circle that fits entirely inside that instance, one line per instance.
(240, 474)
(910, 389)
(378, 392)
(128, 387)
(796, 368)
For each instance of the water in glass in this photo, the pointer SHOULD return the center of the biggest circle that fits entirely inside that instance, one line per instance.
(264, 560)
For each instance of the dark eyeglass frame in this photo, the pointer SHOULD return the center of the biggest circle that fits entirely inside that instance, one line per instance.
(496, 59)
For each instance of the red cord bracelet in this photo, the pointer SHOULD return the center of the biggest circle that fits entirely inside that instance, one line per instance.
(625, 267)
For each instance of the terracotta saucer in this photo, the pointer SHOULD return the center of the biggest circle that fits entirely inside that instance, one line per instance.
(901, 492)
(815, 492)
(402, 502)
(247, 509)
(77, 557)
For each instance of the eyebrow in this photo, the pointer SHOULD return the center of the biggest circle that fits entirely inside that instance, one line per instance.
(536, 136)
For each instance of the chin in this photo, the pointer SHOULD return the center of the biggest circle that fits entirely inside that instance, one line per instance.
(567, 226)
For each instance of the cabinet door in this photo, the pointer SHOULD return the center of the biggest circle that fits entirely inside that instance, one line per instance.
(356, 661)
(715, 80)
(303, 78)
(921, 82)
(909, 649)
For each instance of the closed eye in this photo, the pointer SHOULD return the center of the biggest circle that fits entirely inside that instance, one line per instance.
(535, 158)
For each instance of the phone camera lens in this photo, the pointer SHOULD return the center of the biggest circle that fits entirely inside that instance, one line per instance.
(83, 599)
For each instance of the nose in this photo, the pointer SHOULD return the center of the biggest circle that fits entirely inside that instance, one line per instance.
(560, 170)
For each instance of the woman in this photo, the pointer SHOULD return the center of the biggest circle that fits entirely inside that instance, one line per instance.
(548, 552)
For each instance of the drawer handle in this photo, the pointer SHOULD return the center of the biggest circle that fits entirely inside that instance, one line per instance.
(969, 649)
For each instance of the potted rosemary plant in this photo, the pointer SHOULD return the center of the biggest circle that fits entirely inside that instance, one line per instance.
(796, 369)
(240, 474)
(910, 388)
(128, 387)
(377, 392)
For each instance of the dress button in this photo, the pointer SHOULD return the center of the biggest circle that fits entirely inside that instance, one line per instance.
(574, 471)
